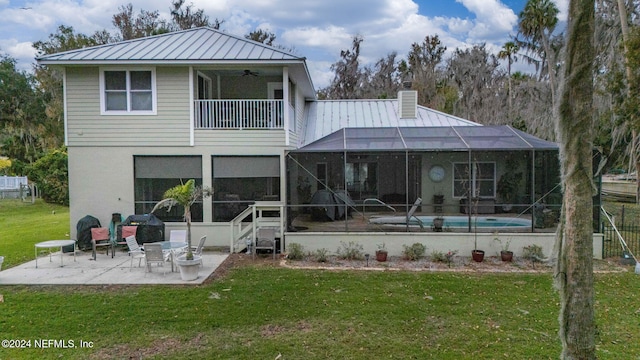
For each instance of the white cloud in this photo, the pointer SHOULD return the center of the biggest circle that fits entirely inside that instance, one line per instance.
(318, 30)
(563, 6)
(493, 19)
(23, 52)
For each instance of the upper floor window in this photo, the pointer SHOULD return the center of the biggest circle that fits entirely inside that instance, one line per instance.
(128, 92)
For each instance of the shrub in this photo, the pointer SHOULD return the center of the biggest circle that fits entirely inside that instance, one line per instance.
(414, 252)
(51, 175)
(5, 165)
(350, 251)
(321, 255)
(296, 251)
(438, 256)
(533, 252)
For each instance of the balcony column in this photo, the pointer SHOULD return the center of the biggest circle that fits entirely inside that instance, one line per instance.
(285, 103)
(207, 181)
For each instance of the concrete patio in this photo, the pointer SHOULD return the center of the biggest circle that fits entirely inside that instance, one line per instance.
(102, 271)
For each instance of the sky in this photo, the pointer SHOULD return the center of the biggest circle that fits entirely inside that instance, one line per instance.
(318, 30)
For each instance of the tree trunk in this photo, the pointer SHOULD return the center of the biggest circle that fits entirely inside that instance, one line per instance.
(574, 268)
(622, 11)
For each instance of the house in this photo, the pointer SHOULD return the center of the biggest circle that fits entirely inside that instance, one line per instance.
(242, 118)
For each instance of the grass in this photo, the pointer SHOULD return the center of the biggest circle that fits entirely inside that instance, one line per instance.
(259, 312)
(22, 224)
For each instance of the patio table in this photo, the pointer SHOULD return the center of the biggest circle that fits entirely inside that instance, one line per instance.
(55, 244)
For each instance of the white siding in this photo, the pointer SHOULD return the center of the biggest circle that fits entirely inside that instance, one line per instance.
(86, 127)
(240, 139)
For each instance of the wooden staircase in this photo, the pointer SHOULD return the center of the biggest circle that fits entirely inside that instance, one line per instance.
(245, 225)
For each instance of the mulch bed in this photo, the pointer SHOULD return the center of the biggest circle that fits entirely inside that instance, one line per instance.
(490, 264)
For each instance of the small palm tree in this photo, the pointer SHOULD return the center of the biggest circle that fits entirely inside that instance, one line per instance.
(184, 195)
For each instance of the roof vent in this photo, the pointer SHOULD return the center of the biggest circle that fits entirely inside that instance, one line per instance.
(408, 104)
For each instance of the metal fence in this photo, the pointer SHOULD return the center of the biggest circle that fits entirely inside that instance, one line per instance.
(612, 246)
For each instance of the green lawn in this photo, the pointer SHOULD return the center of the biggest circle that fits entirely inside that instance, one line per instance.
(259, 312)
(22, 224)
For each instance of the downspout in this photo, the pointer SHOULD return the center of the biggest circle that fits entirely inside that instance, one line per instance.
(64, 106)
(346, 225)
(533, 190)
(191, 106)
(406, 184)
(469, 188)
(285, 104)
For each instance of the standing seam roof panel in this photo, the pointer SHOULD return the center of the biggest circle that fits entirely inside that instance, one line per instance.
(180, 47)
(192, 44)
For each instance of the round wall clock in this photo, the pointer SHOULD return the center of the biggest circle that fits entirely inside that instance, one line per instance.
(436, 173)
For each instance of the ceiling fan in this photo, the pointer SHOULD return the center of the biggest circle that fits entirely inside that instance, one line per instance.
(248, 72)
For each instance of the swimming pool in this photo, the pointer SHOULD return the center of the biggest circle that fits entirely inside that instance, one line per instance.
(458, 222)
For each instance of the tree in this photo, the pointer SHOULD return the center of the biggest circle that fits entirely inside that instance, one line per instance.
(382, 81)
(537, 23)
(475, 73)
(147, 23)
(184, 17)
(268, 38)
(262, 36)
(51, 173)
(23, 125)
(422, 62)
(509, 51)
(574, 267)
(184, 195)
(348, 76)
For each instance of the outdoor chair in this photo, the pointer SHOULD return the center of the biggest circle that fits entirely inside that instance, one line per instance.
(122, 233)
(198, 249)
(178, 235)
(100, 238)
(153, 254)
(266, 240)
(135, 251)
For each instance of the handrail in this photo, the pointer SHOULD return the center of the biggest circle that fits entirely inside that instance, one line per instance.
(625, 247)
(238, 114)
(238, 232)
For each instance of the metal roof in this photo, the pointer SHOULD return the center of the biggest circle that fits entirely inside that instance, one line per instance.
(202, 46)
(444, 138)
(325, 117)
(199, 44)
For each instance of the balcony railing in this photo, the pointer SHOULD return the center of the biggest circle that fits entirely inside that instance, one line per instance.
(238, 114)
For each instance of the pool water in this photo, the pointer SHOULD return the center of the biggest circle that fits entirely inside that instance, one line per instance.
(481, 222)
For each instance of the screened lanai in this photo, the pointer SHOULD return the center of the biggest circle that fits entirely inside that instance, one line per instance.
(475, 178)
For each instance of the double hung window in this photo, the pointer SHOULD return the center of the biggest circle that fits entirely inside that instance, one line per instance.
(128, 92)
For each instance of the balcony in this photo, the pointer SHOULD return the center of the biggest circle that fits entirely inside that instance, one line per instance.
(239, 114)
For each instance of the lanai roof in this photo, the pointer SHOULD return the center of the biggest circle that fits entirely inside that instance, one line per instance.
(443, 138)
(325, 117)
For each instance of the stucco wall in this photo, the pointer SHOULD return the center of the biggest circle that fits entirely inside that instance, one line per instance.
(101, 182)
(442, 242)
